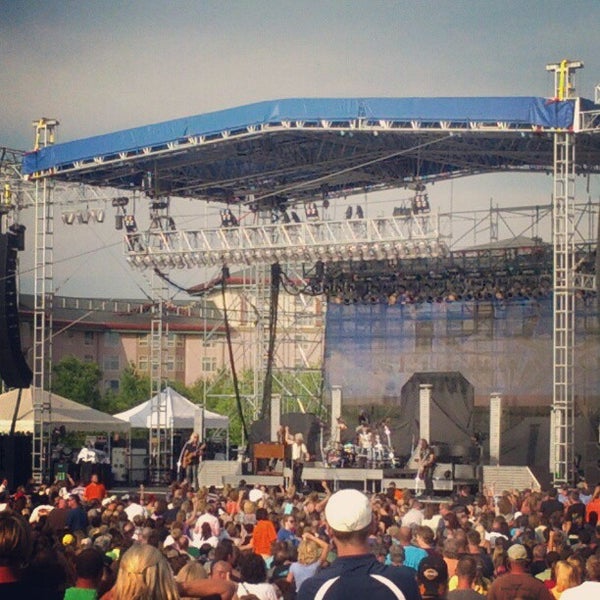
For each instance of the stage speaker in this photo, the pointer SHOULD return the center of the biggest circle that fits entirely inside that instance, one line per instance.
(14, 370)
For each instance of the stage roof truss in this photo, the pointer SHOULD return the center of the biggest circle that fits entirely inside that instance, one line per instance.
(299, 147)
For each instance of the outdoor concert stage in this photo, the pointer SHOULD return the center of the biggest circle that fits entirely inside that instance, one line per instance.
(446, 477)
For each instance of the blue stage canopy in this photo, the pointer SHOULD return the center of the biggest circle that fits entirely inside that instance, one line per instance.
(513, 111)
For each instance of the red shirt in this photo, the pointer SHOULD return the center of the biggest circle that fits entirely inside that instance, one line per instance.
(263, 536)
(95, 491)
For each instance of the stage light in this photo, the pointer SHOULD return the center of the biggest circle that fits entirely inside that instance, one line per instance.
(68, 218)
(83, 216)
(97, 214)
(130, 223)
(121, 201)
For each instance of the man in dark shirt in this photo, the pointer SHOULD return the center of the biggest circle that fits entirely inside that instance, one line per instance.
(551, 504)
(356, 573)
(77, 517)
(56, 521)
(574, 513)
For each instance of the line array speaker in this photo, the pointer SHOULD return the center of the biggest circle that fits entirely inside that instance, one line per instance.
(14, 370)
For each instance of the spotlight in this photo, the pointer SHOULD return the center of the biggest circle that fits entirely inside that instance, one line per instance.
(68, 218)
(120, 201)
(311, 211)
(83, 216)
(99, 215)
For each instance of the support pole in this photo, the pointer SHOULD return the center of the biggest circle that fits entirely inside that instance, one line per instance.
(495, 428)
(336, 412)
(425, 411)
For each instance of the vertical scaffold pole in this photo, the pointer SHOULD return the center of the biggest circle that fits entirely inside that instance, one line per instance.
(159, 427)
(562, 434)
(45, 130)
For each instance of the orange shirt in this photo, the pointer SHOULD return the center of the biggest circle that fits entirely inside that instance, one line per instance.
(592, 506)
(263, 536)
(95, 491)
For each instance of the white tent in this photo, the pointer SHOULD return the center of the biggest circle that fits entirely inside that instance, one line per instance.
(74, 416)
(181, 413)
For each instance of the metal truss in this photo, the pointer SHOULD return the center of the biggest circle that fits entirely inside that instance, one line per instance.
(379, 238)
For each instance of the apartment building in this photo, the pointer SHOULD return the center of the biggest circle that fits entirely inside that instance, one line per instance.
(116, 333)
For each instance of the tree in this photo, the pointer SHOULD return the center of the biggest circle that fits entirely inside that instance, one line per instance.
(133, 389)
(78, 381)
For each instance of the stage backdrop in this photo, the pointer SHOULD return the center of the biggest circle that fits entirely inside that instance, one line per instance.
(373, 350)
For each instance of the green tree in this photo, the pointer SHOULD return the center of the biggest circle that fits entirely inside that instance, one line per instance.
(133, 389)
(78, 381)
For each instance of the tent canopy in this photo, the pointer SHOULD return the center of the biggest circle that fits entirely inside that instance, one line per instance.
(181, 413)
(74, 416)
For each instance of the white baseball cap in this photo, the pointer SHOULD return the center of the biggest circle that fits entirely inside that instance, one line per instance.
(348, 510)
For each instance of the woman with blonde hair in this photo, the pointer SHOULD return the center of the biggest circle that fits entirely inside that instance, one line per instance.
(312, 554)
(192, 571)
(144, 574)
(566, 576)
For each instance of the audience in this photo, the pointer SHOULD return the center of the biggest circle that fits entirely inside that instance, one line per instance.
(56, 542)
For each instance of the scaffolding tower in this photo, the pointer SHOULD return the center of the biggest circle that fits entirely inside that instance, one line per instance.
(45, 134)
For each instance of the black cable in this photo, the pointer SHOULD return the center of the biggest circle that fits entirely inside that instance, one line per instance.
(273, 312)
(234, 376)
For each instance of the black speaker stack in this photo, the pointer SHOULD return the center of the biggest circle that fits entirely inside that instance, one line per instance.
(14, 370)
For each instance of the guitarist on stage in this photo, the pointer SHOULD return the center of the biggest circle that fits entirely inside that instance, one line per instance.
(425, 459)
(189, 459)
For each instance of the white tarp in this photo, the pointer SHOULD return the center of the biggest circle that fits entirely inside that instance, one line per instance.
(74, 416)
(180, 413)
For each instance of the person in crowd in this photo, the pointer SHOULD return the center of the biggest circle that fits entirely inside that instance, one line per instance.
(356, 573)
(432, 578)
(77, 519)
(89, 569)
(287, 531)
(590, 588)
(253, 572)
(518, 583)
(397, 555)
(413, 555)
(94, 490)
(566, 575)
(144, 573)
(593, 507)
(16, 549)
(264, 533)
(466, 572)
(312, 555)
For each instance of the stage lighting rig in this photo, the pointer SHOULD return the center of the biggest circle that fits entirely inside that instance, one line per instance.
(379, 239)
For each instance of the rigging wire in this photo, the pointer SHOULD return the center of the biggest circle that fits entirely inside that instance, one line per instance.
(234, 376)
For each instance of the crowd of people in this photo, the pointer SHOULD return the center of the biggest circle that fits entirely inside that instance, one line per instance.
(75, 541)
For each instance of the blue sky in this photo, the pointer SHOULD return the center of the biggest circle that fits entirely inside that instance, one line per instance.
(100, 66)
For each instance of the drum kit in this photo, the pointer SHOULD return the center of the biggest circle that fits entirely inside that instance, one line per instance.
(350, 455)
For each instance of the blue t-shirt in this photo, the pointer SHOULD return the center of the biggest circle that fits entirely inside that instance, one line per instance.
(285, 535)
(361, 576)
(302, 572)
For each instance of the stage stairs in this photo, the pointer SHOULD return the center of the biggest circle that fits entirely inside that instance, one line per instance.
(215, 472)
(510, 478)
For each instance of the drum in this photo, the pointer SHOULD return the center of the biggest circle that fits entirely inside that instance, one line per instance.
(334, 458)
(349, 455)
